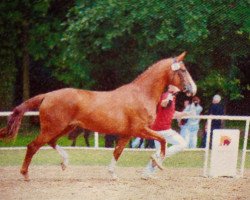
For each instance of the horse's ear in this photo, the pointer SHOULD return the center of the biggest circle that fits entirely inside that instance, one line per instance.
(181, 56)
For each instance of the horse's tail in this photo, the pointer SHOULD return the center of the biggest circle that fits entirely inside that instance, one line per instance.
(15, 118)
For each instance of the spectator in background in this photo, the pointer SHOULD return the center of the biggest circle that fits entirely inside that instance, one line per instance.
(141, 143)
(110, 140)
(191, 128)
(138, 143)
(150, 144)
(182, 122)
(76, 132)
(215, 109)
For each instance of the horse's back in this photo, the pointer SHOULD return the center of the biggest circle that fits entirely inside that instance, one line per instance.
(107, 112)
(88, 109)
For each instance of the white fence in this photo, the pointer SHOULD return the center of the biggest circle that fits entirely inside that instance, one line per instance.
(209, 119)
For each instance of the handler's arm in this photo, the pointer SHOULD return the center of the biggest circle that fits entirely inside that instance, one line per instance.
(167, 100)
(179, 115)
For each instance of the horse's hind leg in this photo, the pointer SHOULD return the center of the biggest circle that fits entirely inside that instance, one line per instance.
(60, 150)
(118, 151)
(32, 148)
(62, 153)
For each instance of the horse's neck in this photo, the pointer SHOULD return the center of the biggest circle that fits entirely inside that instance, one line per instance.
(153, 81)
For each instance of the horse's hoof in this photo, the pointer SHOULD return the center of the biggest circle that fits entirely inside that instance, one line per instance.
(110, 170)
(113, 174)
(25, 175)
(146, 176)
(158, 161)
(63, 166)
(26, 178)
(114, 177)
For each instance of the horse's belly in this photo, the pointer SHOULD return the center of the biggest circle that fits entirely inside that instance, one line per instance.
(103, 122)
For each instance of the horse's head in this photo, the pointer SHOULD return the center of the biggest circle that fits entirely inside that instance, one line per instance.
(181, 77)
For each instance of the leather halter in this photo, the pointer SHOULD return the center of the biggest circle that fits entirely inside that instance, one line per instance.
(178, 71)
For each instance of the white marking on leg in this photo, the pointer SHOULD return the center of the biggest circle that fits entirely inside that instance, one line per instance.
(112, 169)
(63, 154)
(112, 165)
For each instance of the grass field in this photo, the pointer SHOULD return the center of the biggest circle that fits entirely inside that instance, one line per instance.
(90, 157)
(98, 157)
(28, 132)
(23, 140)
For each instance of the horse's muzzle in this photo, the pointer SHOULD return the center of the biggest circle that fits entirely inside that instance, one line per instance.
(190, 89)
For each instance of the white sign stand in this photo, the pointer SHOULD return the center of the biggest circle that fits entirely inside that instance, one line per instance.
(224, 154)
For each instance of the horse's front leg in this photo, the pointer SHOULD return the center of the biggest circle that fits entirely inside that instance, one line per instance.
(122, 141)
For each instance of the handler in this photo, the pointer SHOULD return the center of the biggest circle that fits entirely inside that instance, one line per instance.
(162, 124)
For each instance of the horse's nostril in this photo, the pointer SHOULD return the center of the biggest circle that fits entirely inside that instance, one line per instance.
(186, 88)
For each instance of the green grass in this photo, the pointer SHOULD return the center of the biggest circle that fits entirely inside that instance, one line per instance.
(98, 157)
(92, 157)
(23, 140)
(27, 133)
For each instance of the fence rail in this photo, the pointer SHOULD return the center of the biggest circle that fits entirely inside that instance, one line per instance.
(222, 117)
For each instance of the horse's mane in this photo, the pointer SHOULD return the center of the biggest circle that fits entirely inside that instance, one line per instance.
(155, 68)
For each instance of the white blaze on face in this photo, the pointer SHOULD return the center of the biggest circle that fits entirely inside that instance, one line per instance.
(191, 86)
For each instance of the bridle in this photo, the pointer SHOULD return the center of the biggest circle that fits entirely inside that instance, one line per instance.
(176, 68)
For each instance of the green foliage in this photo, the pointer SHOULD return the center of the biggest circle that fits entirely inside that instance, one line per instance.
(41, 25)
(120, 34)
(7, 80)
(8, 50)
(216, 82)
(123, 37)
(102, 44)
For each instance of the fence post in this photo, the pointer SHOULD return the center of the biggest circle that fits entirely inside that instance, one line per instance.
(244, 149)
(205, 173)
(96, 140)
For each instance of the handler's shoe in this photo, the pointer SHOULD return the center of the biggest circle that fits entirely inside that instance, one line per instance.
(157, 160)
(149, 171)
(148, 176)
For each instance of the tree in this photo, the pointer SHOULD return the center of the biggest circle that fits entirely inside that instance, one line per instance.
(106, 43)
(117, 40)
(29, 33)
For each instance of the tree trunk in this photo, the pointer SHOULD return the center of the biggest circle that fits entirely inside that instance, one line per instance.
(7, 80)
(25, 62)
(25, 69)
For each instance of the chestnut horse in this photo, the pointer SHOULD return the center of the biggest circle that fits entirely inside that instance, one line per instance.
(127, 111)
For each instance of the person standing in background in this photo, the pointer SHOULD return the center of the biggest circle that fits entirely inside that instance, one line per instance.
(215, 109)
(191, 128)
(110, 140)
(78, 131)
(182, 122)
(138, 143)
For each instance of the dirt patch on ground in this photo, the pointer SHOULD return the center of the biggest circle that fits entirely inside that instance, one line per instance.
(87, 182)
